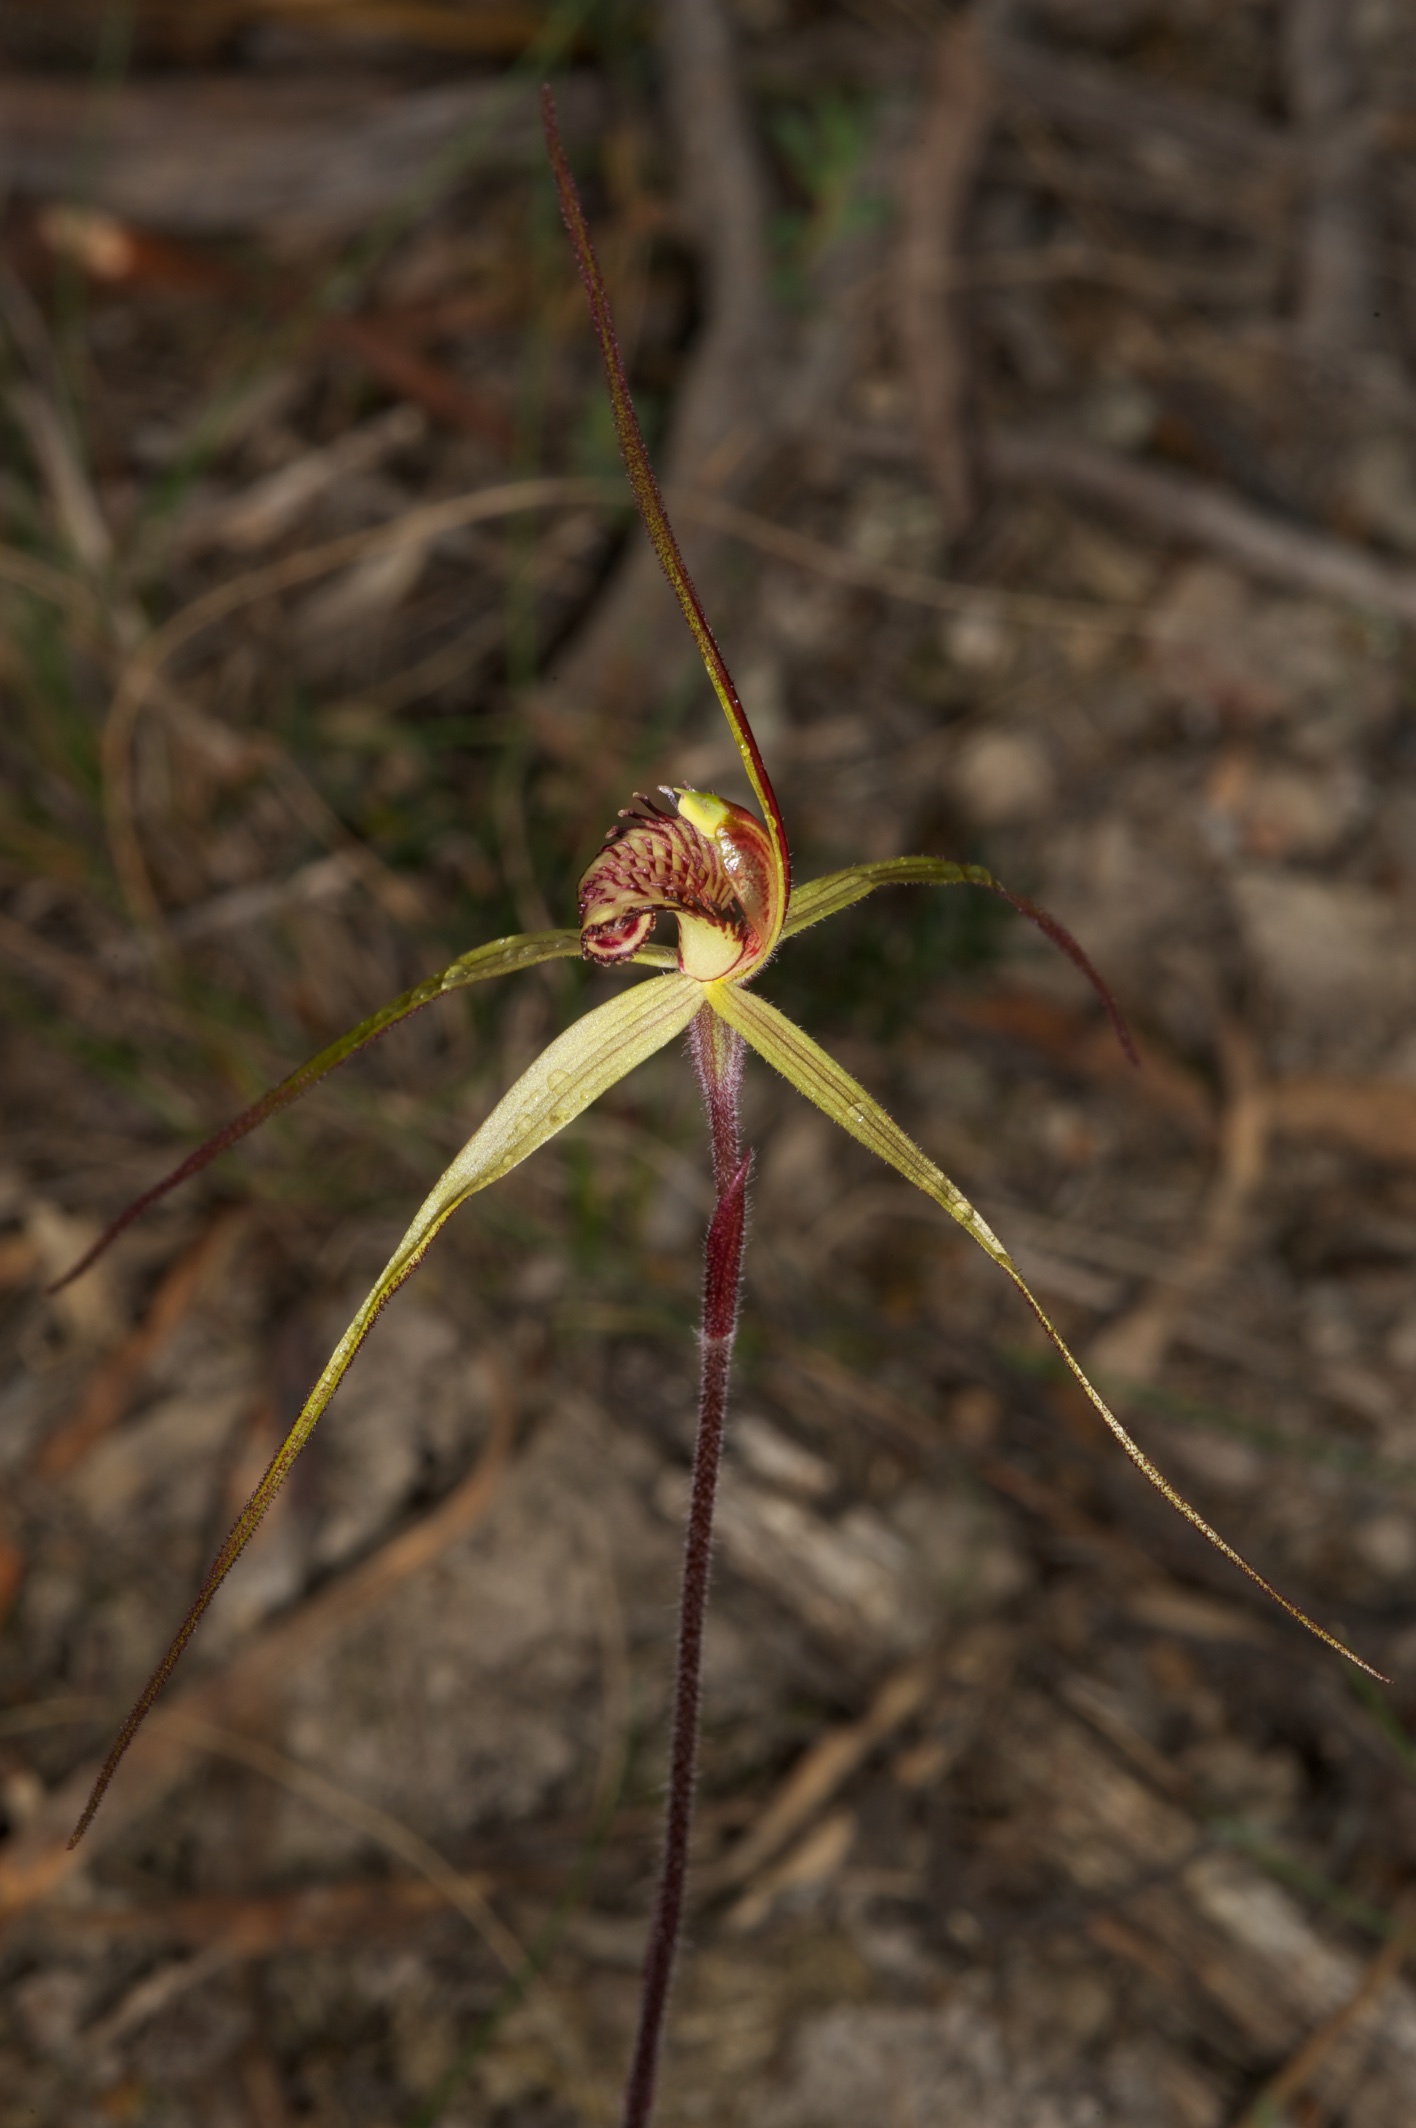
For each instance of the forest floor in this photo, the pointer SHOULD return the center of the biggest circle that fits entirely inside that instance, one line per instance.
(1036, 394)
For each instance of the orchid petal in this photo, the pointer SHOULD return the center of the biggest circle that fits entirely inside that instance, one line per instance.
(826, 1083)
(651, 503)
(827, 896)
(817, 899)
(503, 956)
(571, 1073)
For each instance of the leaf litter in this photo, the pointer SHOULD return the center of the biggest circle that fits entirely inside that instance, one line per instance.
(1041, 1923)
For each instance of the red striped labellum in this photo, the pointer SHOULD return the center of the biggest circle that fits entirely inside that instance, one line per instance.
(709, 863)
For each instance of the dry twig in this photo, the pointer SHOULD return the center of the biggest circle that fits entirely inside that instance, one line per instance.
(1134, 1348)
(417, 527)
(1254, 162)
(38, 1860)
(820, 1772)
(1297, 2074)
(460, 1892)
(1374, 1117)
(117, 1379)
(938, 182)
(1193, 513)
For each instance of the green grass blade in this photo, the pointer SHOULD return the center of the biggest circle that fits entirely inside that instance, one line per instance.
(830, 1086)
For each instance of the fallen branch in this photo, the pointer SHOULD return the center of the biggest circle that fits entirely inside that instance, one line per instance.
(1191, 512)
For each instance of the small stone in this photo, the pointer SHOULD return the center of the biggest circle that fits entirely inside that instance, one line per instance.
(779, 1461)
(1275, 810)
(896, 524)
(1388, 1544)
(977, 642)
(1380, 491)
(1231, 654)
(1326, 949)
(1003, 776)
(1120, 414)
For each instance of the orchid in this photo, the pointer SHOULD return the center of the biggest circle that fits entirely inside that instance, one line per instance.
(724, 874)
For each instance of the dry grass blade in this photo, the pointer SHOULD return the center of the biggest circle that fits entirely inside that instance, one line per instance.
(257, 1924)
(1297, 2074)
(378, 1825)
(414, 527)
(117, 1378)
(153, 1994)
(43, 580)
(70, 491)
(821, 1772)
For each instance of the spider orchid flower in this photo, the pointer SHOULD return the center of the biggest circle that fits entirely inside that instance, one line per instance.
(724, 874)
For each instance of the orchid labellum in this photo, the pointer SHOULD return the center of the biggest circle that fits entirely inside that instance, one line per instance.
(724, 874)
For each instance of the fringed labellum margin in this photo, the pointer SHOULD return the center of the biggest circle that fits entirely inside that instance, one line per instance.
(709, 863)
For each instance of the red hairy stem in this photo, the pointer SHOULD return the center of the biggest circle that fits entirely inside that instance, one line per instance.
(717, 1055)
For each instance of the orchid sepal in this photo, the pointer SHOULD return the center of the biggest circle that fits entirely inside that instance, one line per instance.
(839, 1096)
(835, 891)
(813, 900)
(651, 502)
(500, 956)
(591, 1056)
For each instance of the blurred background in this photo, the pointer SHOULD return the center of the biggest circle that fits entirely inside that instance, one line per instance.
(1033, 385)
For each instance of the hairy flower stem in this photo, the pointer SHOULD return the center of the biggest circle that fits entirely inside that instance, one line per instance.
(717, 1056)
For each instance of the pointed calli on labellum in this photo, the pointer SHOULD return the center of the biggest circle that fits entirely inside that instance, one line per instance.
(725, 876)
(709, 863)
